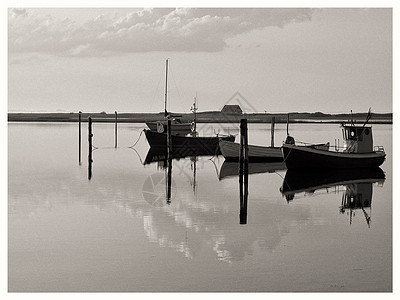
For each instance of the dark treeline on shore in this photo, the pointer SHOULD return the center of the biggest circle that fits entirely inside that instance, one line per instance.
(203, 117)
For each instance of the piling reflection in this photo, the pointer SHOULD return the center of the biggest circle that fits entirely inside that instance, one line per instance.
(165, 159)
(357, 184)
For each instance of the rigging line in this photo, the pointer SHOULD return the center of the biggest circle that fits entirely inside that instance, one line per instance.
(176, 86)
(158, 85)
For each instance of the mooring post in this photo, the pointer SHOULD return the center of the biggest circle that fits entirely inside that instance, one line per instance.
(272, 130)
(287, 125)
(241, 153)
(243, 171)
(116, 121)
(80, 137)
(90, 138)
(246, 152)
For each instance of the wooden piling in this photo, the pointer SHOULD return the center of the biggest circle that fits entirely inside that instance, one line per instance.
(116, 131)
(241, 154)
(80, 137)
(246, 152)
(90, 139)
(272, 131)
(287, 125)
(243, 171)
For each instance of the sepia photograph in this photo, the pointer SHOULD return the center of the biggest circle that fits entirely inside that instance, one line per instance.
(193, 149)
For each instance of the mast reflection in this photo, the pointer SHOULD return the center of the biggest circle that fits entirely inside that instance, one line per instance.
(164, 161)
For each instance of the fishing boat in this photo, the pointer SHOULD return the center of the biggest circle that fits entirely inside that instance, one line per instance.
(206, 145)
(177, 126)
(358, 152)
(231, 151)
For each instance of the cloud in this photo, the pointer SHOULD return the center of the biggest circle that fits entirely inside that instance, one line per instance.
(160, 29)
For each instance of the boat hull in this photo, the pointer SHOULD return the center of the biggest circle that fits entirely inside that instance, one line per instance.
(297, 157)
(231, 152)
(187, 144)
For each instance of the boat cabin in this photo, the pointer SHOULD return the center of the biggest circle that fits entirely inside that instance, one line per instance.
(358, 139)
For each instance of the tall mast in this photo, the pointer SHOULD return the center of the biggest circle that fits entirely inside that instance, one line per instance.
(166, 88)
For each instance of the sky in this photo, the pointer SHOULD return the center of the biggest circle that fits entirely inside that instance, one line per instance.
(331, 60)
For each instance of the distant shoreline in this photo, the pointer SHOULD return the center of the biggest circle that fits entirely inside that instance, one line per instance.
(202, 117)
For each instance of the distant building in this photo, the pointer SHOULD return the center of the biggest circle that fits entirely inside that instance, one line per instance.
(232, 109)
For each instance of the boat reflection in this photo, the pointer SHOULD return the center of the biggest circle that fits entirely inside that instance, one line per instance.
(230, 169)
(160, 155)
(357, 183)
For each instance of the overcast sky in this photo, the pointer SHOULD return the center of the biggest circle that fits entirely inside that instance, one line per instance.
(280, 60)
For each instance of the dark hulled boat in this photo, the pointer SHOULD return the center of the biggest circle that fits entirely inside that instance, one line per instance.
(358, 152)
(192, 144)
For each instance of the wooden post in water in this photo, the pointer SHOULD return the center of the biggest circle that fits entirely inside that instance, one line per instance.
(115, 134)
(90, 138)
(287, 125)
(272, 131)
(80, 137)
(243, 171)
(241, 154)
(246, 150)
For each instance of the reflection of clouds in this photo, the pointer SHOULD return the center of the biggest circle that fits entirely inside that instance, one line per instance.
(187, 226)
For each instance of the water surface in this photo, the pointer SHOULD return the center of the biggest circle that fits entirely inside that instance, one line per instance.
(116, 232)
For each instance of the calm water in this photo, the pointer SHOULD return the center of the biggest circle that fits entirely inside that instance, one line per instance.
(116, 232)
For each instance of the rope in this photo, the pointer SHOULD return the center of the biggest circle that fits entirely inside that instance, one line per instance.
(137, 139)
(140, 159)
(102, 148)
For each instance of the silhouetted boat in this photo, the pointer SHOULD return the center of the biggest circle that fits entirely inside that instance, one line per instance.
(177, 126)
(230, 168)
(204, 145)
(359, 152)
